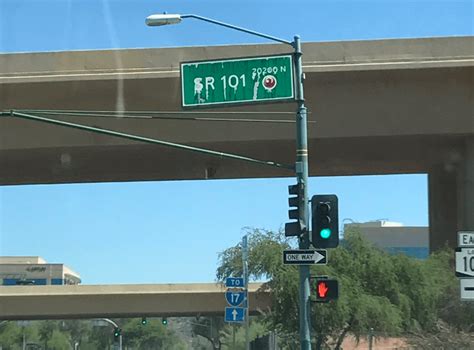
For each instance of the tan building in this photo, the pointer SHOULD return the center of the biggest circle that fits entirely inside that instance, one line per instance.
(396, 238)
(34, 270)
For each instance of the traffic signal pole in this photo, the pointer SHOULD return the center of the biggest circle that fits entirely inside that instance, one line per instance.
(245, 259)
(301, 169)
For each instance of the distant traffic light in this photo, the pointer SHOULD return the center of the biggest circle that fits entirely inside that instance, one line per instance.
(324, 221)
(144, 321)
(164, 321)
(117, 332)
(324, 290)
(295, 202)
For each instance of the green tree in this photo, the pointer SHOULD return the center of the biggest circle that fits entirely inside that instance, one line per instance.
(76, 331)
(10, 335)
(152, 336)
(210, 328)
(387, 293)
(100, 337)
(256, 328)
(45, 331)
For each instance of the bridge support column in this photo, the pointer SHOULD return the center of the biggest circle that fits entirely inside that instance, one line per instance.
(451, 198)
(466, 190)
(442, 202)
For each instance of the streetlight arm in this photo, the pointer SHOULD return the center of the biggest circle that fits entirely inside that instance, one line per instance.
(110, 322)
(223, 24)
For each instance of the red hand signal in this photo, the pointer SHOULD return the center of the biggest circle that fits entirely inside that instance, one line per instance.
(322, 289)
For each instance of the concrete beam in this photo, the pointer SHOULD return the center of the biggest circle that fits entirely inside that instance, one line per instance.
(94, 301)
(376, 107)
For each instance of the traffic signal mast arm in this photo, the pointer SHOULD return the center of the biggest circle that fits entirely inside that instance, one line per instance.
(39, 118)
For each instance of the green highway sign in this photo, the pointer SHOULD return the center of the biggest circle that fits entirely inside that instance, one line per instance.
(238, 80)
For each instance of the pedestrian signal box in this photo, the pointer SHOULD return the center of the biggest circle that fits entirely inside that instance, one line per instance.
(324, 290)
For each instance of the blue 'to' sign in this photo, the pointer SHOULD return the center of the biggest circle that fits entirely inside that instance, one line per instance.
(234, 298)
(234, 282)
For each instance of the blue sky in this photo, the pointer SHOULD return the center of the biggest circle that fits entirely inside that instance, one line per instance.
(165, 232)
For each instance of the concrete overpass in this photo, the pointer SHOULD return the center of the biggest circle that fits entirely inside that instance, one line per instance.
(96, 301)
(380, 107)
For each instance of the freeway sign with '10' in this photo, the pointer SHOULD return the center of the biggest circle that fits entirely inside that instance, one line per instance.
(465, 262)
(257, 79)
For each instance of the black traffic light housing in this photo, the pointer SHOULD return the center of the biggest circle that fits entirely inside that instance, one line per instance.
(117, 332)
(144, 321)
(164, 321)
(324, 289)
(324, 221)
(295, 228)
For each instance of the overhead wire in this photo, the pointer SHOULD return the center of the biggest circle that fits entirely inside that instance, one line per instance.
(166, 115)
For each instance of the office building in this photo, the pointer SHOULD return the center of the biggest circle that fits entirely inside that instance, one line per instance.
(34, 270)
(395, 238)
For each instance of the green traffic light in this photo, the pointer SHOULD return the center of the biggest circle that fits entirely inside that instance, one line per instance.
(144, 321)
(117, 332)
(325, 233)
(164, 321)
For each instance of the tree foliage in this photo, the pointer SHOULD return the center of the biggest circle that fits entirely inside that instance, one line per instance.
(392, 294)
(63, 335)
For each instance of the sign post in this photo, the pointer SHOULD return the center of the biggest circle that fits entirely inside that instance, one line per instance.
(245, 259)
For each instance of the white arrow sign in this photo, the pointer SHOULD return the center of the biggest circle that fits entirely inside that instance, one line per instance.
(305, 257)
(234, 314)
(467, 289)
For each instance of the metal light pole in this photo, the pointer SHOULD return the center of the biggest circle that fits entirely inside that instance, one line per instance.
(301, 165)
(246, 283)
(301, 169)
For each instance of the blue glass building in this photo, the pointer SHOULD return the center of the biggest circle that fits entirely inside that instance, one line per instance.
(395, 238)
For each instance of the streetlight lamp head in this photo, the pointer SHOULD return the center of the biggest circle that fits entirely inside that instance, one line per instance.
(162, 19)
